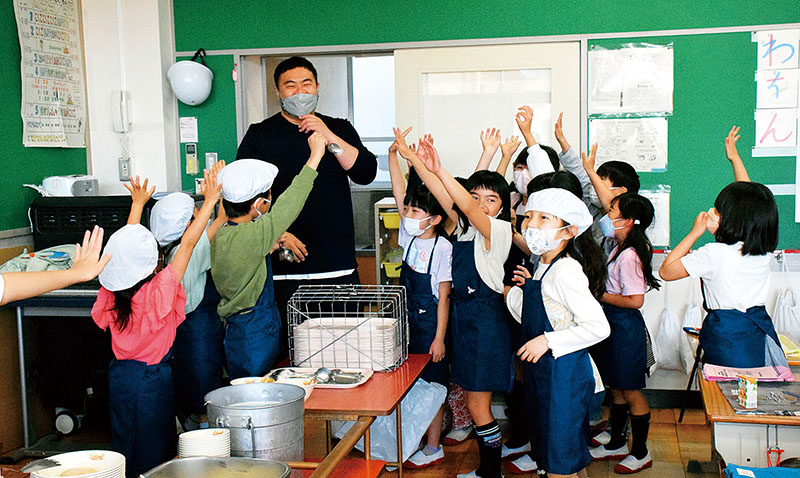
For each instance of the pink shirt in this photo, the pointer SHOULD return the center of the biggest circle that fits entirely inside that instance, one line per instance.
(625, 276)
(156, 311)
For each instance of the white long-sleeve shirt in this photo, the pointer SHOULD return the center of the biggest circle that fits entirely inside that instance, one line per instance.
(577, 318)
(538, 161)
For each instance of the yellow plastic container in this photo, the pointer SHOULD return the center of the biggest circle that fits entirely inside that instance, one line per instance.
(392, 269)
(391, 220)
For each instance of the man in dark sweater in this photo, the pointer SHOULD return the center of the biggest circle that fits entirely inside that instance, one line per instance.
(322, 237)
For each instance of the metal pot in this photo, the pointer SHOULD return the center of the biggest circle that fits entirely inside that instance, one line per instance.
(265, 419)
(197, 466)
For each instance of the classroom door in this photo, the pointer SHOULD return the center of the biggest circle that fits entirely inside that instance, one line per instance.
(455, 93)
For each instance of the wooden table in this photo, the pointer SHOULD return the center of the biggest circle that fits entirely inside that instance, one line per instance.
(745, 439)
(380, 396)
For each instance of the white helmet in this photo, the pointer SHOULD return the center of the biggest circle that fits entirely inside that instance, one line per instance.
(191, 81)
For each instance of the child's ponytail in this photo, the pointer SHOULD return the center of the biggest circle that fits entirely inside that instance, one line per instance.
(640, 210)
(123, 302)
(592, 259)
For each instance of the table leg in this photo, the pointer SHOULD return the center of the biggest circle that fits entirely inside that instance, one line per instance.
(367, 445)
(399, 443)
(328, 437)
(345, 445)
(23, 380)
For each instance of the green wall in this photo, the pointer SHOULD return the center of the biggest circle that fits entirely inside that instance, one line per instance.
(714, 85)
(21, 165)
(216, 119)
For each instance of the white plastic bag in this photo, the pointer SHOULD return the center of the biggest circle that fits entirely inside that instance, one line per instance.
(787, 315)
(668, 336)
(417, 408)
(688, 346)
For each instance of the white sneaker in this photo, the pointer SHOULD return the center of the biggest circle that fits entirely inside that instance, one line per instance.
(630, 464)
(421, 460)
(522, 465)
(511, 453)
(456, 437)
(602, 453)
(601, 438)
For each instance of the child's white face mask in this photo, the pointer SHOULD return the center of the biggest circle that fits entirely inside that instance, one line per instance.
(521, 179)
(540, 241)
(258, 211)
(412, 226)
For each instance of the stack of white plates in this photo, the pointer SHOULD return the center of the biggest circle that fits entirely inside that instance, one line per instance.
(214, 442)
(86, 464)
(351, 342)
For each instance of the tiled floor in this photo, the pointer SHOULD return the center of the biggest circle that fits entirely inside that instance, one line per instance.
(671, 444)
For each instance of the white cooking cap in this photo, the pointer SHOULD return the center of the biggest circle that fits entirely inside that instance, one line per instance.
(562, 204)
(244, 179)
(134, 256)
(170, 216)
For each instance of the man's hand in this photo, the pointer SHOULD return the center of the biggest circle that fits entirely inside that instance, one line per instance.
(309, 123)
(289, 241)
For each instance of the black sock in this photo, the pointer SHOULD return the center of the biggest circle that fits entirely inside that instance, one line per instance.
(489, 442)
(618, 421)
(515, 411)
(640, 425)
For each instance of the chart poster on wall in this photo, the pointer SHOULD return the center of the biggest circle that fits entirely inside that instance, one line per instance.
(776, 128)
(777, 49)
(53, 98)
(777, 88)
(658, 232)
(635, 79)
(641, 142)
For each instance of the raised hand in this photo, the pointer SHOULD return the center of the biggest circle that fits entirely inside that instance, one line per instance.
(429, 156)
(730, 144)
(524, 118)
(558, 131)
(211, 190)
(400, 143)
(139, 192)
(509, 146)
(588, 161)
(490, 140)
(87, 262)
(393, 146)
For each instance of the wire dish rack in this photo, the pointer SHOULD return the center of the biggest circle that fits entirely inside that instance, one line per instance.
(352, 326)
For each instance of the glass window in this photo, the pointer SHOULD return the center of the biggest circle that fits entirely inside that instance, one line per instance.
(373, 95)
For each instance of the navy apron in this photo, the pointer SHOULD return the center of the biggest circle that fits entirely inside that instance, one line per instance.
(622, 357)
(558, 393)
(482, 357)
(142, 413)
(252, 335)
(198, 354)
(423, 316)
(733, 338)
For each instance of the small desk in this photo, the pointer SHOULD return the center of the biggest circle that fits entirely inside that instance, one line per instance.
(744, 439)
(380, 396)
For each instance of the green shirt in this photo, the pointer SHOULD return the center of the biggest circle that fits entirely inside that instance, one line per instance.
(239, 253)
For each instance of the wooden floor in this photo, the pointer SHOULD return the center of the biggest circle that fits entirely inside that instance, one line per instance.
(671, 445)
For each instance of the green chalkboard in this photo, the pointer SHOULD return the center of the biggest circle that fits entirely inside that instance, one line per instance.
(21, 165)
(714, 89)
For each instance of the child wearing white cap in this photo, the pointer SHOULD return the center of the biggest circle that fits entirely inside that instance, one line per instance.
(561, 318)
(482, 360)
(240, 264)
(197, 354)
(142, 306)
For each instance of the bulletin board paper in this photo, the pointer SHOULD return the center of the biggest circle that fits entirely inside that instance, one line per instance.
(658, 232)
(777, 88)
(53, 90)
(641, 142)
(188, 129)
(776, 127)
(631, 80)
(777, 49)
